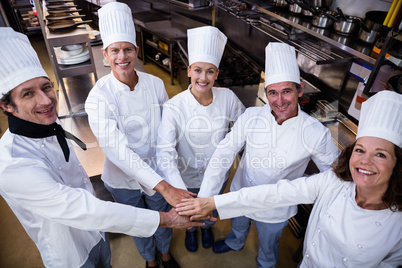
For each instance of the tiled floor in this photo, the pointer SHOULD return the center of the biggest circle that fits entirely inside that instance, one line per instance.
(17, 250)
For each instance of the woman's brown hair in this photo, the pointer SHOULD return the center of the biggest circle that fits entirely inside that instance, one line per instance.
(393, 195)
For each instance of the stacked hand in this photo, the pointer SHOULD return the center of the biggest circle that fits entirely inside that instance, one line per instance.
(197, 208)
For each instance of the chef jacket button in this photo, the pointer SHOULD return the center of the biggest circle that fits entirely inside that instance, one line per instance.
(79, 164)
(378, 223)
(59, 168)
(69, 185)
(344, 259)
(307, 256)
(359, 246)
(200, 171)
(313, 244)
(319, 230)
(326, 214)
(85, 181)
(42, 146)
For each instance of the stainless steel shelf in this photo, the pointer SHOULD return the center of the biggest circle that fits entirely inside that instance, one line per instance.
(326, 39)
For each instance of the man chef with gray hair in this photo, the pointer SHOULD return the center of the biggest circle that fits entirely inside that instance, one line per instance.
(279, 140)
(41, 178)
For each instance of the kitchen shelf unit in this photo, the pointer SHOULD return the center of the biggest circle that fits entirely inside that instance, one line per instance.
(150, 49)
(23, 16)
(53, 40)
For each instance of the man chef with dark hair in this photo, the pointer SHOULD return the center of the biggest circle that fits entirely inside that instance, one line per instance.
(41, 178)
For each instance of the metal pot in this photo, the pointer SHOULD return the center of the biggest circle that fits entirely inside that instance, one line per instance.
(295, 8)
(395, 83)
(348, 26)
(346, 40)
(324, 20)
(372, 27)
(322, 31)
(322, 3)
(364, 48)
(280, 3)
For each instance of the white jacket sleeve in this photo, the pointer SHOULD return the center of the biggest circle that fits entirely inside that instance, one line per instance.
(284, 193)
(223, 158)
(114, 143)
(75, 207)
(168, 136)
(322, 148)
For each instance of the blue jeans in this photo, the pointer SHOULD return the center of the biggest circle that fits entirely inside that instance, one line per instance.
(162, 236)
(99, 257)
(268, 238)
(208, 223)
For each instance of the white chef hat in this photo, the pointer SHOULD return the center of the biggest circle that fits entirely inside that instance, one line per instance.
(381, 117)
(19, 61)
(206, 44)
(280, 64)
(116, 24)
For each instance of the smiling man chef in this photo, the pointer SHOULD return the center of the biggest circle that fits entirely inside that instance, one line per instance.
(41, 178)
(279, 140)
(124, 111)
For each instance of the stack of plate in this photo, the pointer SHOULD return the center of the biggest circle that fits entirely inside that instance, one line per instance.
(97, 40)
(71, 54)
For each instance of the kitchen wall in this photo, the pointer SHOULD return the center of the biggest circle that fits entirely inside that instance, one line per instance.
(360, 7)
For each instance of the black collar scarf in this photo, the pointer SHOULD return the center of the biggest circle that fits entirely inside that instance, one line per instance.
(32, 130)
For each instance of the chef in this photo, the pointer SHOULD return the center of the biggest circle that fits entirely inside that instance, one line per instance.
(196, 120)
(124, 111)
(357, 213)
(41, 178)
(279, 140)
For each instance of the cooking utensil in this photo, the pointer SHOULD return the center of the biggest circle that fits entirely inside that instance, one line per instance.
(65, 25)
(57, 7)
(343, 17)
(372, 27)
(346, 40)
(325, 19)
(395, 83)
(321, 3)
(281, 3)
(322, 31)
(295, 8)
(63, 16)
(58, 1)
(63, 11)
(348, 26)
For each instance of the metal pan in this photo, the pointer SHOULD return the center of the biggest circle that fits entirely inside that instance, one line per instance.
(53, 7)
(65, 25)
(63, 11)
(58, 1)
(63, 16)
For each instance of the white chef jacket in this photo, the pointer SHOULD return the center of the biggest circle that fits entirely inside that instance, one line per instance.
(55, 203)
(272, 152)
(189, 133)
(339, 232)
(126, 123)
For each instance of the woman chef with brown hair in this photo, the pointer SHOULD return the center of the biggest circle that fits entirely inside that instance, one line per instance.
(357, 214)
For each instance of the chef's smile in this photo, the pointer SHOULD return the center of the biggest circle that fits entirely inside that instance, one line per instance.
(283, 97)
(203, 76)
(34, 101)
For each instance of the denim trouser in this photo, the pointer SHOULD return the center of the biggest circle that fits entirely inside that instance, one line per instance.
(162, 236)
(268, 239)
(99, 257)
(208, 223)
